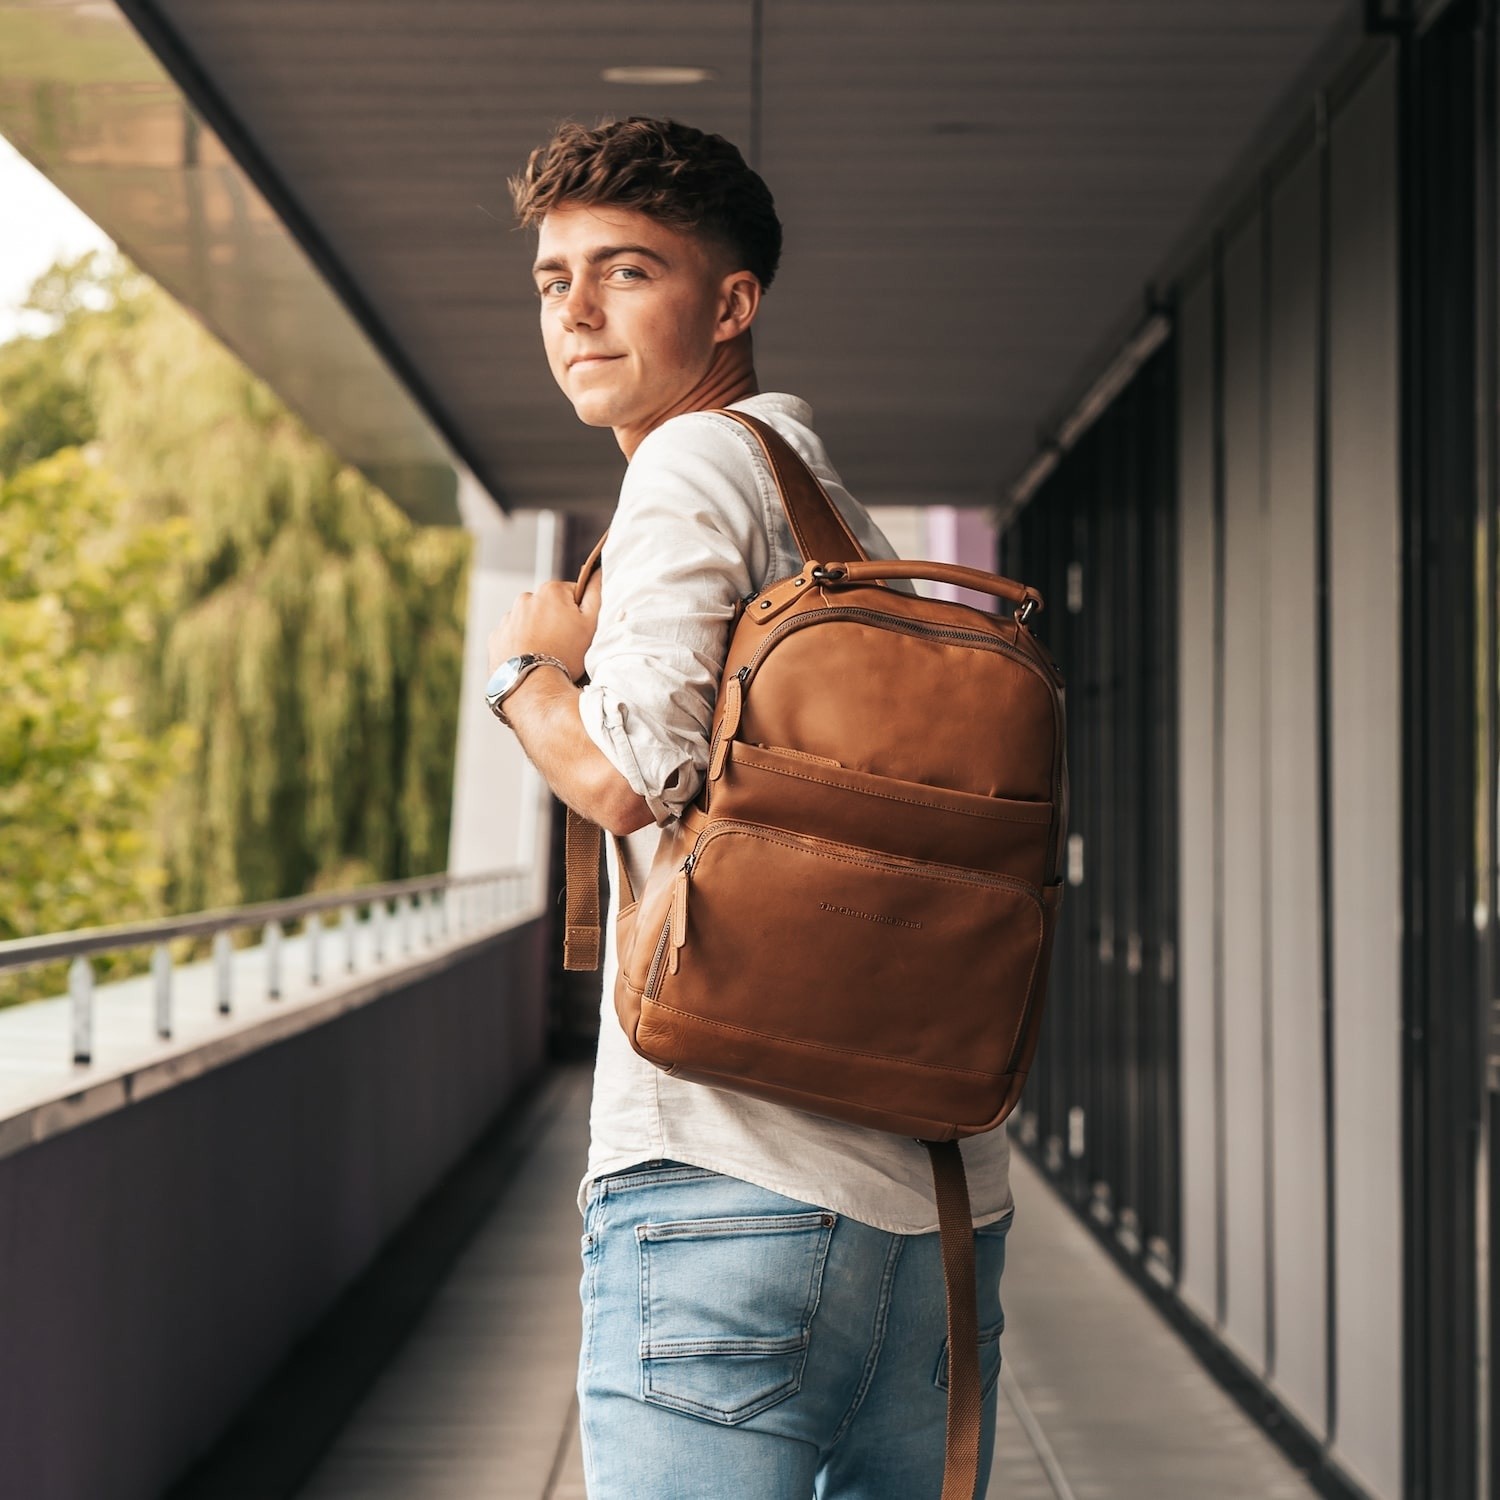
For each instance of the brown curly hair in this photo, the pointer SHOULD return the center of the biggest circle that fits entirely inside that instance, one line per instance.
(679, 176)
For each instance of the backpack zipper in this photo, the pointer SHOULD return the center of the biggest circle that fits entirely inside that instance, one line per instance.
(719, 730)
(979, 639)
(674, 928)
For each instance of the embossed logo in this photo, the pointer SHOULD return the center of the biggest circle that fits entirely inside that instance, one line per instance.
(866, 916)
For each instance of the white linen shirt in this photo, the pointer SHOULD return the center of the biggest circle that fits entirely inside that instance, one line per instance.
(699, 525)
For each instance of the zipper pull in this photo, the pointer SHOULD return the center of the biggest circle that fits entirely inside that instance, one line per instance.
(734, 697)
(679, 912)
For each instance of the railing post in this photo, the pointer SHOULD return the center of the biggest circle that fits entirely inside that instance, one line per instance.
(161, 973)
(223, 970)
(81, 990)
(272, 945)
(442, 909)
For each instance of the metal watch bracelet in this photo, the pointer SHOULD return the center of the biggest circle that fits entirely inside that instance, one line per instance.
(525, 665)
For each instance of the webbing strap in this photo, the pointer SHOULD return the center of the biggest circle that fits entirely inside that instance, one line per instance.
(956, 1228)
(581, 938)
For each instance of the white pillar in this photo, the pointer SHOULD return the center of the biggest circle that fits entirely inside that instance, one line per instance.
(499, 801)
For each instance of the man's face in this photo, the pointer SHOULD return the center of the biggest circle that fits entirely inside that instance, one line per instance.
(630, 312)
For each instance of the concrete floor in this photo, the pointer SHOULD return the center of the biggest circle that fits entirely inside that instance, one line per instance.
(1100, 1399)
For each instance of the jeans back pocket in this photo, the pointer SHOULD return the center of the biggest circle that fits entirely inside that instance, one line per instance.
(726, 1309)
(989, 1360)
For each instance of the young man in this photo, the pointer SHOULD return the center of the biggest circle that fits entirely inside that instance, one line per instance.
(763, 1309)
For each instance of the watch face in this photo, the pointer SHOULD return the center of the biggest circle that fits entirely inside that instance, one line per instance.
(503, 678)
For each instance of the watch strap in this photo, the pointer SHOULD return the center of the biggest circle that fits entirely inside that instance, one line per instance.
(537, 659)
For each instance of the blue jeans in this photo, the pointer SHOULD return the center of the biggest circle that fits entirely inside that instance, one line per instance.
(741, 1344)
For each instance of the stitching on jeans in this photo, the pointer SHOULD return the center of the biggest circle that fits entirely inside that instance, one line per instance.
(601, 1210)
(867, 1375)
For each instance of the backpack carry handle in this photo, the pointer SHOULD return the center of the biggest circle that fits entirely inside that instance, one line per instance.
(870, 571)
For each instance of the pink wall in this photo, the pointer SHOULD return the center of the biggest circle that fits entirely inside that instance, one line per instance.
(961, 536)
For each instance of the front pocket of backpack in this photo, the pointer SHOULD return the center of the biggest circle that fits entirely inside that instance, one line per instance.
(847, 955)
(786, 789)
(726, 1310)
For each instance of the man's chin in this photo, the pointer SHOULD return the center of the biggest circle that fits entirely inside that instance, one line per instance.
(594, 412)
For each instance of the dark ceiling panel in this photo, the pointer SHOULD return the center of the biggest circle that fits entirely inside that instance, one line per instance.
(975, 193)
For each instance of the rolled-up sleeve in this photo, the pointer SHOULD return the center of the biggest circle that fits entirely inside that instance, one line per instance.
(688, 541)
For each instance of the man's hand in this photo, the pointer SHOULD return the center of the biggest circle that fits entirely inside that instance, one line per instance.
(543, 710)
(550, 623)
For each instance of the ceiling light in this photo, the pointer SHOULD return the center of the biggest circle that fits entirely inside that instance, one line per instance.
(654, 74)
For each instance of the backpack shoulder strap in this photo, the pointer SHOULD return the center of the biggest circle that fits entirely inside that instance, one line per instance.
(965, 1400)
(822, 536)
(819, 529)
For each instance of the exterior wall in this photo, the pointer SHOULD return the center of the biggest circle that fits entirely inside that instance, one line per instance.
(157, 1264)
(1283, 935)
(1279, 1255)
(1242, 800)
(1296, 1098)
(1364, 691)
(1198, 807)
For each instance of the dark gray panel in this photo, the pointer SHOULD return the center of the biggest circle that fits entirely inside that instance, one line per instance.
(1294, 939)
(1365, 694)
(1244, 759)
(1197, 809)
(177, 1249)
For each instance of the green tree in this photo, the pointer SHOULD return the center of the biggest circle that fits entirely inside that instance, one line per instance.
(80, 782)
(287, 644)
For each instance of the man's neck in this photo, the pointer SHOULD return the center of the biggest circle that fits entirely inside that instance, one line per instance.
(730, 378)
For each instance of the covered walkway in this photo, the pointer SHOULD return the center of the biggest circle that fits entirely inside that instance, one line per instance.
(1100, 1400)
(1184, 314)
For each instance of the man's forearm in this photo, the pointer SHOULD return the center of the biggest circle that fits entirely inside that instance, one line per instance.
(543, 711)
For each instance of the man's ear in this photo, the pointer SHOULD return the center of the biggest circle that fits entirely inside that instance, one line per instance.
(739, 301)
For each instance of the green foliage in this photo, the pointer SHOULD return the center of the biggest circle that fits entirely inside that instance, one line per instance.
(79, 781)
(232, 664)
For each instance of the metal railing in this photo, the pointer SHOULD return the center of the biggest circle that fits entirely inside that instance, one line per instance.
(400, 915)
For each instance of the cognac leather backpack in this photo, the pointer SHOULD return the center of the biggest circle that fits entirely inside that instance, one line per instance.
(855, 916)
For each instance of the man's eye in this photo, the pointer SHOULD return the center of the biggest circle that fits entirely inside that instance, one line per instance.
(629, 271)
(549, 288)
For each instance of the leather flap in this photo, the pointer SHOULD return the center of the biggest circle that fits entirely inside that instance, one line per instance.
(779, 596)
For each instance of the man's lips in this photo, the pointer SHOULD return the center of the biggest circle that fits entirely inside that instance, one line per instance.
(592, 359)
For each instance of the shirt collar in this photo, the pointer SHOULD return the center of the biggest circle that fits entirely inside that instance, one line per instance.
(778, 402)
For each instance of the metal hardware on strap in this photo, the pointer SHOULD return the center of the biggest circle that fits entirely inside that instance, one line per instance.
(956, 1227)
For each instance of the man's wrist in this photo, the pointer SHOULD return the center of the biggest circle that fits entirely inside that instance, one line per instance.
(511, 676)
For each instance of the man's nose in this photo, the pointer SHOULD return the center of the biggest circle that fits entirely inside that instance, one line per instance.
(580, 308)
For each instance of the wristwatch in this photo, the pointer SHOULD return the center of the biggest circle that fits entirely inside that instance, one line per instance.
(509, 675)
